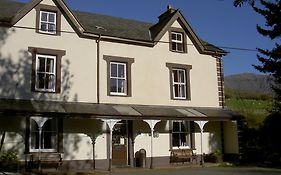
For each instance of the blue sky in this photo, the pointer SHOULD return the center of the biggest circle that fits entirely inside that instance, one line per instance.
(216, 21)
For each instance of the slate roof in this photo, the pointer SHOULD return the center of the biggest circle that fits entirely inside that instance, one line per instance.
(108, 25)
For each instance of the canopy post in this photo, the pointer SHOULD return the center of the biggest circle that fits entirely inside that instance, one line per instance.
(110, 123)
(201, 126)
(151, 124)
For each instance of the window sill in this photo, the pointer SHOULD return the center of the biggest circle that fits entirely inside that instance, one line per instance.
(43, 151)
(118, 95)
(175, 51)
(181, 147)
(45, 91)
(47, 33)
(180, 99)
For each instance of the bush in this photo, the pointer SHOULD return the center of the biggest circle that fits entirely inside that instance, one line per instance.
(8, 161)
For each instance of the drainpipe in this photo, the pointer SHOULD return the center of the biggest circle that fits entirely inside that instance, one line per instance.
(98, 68)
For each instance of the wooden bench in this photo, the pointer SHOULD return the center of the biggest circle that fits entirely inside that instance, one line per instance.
(52, 160)
(182, 155)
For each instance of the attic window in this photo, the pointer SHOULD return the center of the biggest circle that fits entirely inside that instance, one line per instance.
(48, 19)
(48, 22)
(178, 40)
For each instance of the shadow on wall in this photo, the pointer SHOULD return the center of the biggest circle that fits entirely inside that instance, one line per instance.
(15, 83)
(15, 79)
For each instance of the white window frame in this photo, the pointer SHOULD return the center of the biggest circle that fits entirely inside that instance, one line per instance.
(186, 132)
(177, 41)
(181, 96)
(119, 78)
(48, 22)
(41, 121)
(45, 73)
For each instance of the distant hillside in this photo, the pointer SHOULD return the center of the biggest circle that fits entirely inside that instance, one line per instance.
(249, 82)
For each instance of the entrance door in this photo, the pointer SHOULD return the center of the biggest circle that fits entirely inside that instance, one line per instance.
(119, 144)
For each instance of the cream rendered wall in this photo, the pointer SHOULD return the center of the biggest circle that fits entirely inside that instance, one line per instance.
(231, 138)
(80, 53)
(161, 144)
(77, 141)
(150, 76)
(211, 138)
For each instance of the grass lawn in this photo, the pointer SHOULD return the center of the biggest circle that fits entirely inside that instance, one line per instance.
(254, 111)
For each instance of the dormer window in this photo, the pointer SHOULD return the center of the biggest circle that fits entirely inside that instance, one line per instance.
(178, 40)
(48, 19)
(48, 22)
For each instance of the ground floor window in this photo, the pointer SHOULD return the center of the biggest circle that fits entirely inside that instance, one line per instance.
(181, 134)
(43, 134)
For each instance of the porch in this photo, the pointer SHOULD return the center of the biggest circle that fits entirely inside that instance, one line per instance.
(93, 136)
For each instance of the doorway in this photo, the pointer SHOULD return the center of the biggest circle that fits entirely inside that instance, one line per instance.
(120, 144)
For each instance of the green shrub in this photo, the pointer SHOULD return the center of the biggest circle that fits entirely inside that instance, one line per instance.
(8, 161)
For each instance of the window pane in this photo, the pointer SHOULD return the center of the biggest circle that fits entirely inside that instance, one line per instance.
(51, 27)
(176, 90)
(44, 16)
(181, 76)
(41, 62)
(175, 75)
(113, 85)
(179, 47)
(121, 86)
(179, 37)
(183, 139)
(51, 17)
(34, 134)
(174, 36)
(113, 70)
(176, 139)
(43, 26)
(182, 91)
(50, 66)
(176, 127)
(182, 127)
(121, 70)
(41, 80)
(49, 134)
(50, 81)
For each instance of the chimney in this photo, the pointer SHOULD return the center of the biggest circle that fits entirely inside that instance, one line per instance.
(169, 7)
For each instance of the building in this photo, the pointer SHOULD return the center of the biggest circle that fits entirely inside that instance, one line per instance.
(76, 83)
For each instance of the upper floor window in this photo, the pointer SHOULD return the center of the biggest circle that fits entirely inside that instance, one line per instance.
(48, 19)
(48, 22)
(179, 81)
(46, 69)
(119, 76)
(45, 73)
(177, 40)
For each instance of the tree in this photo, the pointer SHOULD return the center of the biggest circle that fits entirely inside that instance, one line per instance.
(270, 59)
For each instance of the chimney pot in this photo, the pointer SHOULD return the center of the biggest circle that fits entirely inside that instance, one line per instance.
(169, 7)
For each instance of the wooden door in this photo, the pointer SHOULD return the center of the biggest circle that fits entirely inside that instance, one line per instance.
(119, 144)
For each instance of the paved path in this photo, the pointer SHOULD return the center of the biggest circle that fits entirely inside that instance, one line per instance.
(204, 171)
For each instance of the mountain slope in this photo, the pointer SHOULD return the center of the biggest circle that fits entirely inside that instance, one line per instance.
(249, 82)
